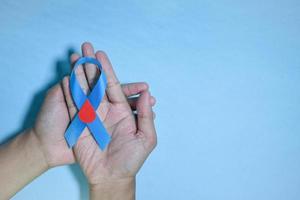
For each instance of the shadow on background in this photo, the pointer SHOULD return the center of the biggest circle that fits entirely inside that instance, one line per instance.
(62, 68)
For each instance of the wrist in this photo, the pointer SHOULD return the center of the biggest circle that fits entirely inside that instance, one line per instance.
(47, 148)
(114, 189)
(21, 161)
(34, 151)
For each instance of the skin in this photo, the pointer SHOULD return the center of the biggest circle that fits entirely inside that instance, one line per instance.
(110, 173)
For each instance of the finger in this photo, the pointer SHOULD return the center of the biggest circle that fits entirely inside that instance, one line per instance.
(91, 70)
(107, 67)
(66, 86)
(113, 90)
(80, 74)
(66, 90)
(145, 120)
(154, 114)
(130, 89)
(133, 101)
(73, 58)
(54, 94)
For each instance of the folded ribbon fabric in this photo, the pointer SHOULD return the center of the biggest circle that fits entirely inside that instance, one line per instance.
(87, 106)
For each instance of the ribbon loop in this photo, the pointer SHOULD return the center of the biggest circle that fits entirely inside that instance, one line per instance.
(87, 106)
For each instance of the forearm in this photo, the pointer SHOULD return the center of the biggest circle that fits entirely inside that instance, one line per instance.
(122, 189)
(21, 161)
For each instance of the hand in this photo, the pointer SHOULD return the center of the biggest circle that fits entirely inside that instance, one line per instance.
(50, 126)
(132, 138)
(53, 120)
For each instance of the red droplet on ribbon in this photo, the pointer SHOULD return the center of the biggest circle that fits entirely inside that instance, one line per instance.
(87, 113)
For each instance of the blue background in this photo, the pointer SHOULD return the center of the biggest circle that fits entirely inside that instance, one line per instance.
(226, 75)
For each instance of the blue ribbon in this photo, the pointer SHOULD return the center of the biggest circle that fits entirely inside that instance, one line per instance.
(96, 127)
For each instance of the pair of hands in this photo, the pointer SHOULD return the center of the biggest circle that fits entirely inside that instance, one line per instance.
(133, 136)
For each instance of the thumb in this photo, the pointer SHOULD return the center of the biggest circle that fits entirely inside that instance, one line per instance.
(145, 119)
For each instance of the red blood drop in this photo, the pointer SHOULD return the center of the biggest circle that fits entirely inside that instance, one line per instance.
(87, 113)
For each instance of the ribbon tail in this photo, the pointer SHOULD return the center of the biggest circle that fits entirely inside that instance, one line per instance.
(99, 133)
(74, 131)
